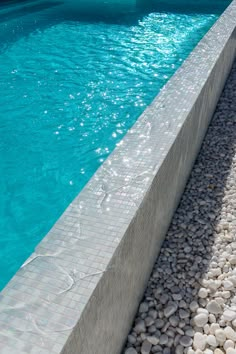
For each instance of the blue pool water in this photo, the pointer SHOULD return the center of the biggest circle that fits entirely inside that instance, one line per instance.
(72, 83)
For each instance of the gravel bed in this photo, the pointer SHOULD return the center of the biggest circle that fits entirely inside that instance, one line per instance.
(189, 305)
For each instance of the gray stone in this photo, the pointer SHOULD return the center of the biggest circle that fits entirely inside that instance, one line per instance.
(193, 306)
(179, 349)
(140, 327)
(163, 339)
(131, 351)
(183, 314)
(177, 297)
(170, 309)
(189, 332)
(166, 351)
(146, 347)
(152, 329)
(156, 349)
(131, 339)
(153, 314)
(143, 307)
(164, 298)
(159, 323)
(174, 321)
(149, 321)
(185, 341)
(182, 304)
(153, 340)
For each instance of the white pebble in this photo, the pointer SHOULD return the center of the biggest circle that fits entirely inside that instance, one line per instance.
(199, 341)
(206, 328)
(214, 284)
(190, 351)
(200, 320)
(228, 344)
(229, 315)
(233, 279)
(212, 318)
(208, 351)
(216, 272)
(218, 351)
(220, 336)
(203, 292)
(201, 310)
(231, 351)
(228, 285)
(222, 323)
(211, 340)
(214, 307)
(230, 333)
(226, 294)
(232, 259)
(220, 300)
(214, 327)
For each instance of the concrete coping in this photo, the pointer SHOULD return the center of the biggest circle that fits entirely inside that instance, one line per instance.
(79, 290)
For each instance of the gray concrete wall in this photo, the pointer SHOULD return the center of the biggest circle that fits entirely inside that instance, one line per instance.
(114, 304)
(79, 291)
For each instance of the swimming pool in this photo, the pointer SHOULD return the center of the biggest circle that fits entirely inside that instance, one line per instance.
(72, 84)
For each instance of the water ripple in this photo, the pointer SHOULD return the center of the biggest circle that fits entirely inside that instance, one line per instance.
(69, 92)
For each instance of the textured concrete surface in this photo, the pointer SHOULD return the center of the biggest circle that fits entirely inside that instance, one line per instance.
(79, 291)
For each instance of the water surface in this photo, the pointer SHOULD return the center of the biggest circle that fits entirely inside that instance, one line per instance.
(72, 83)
